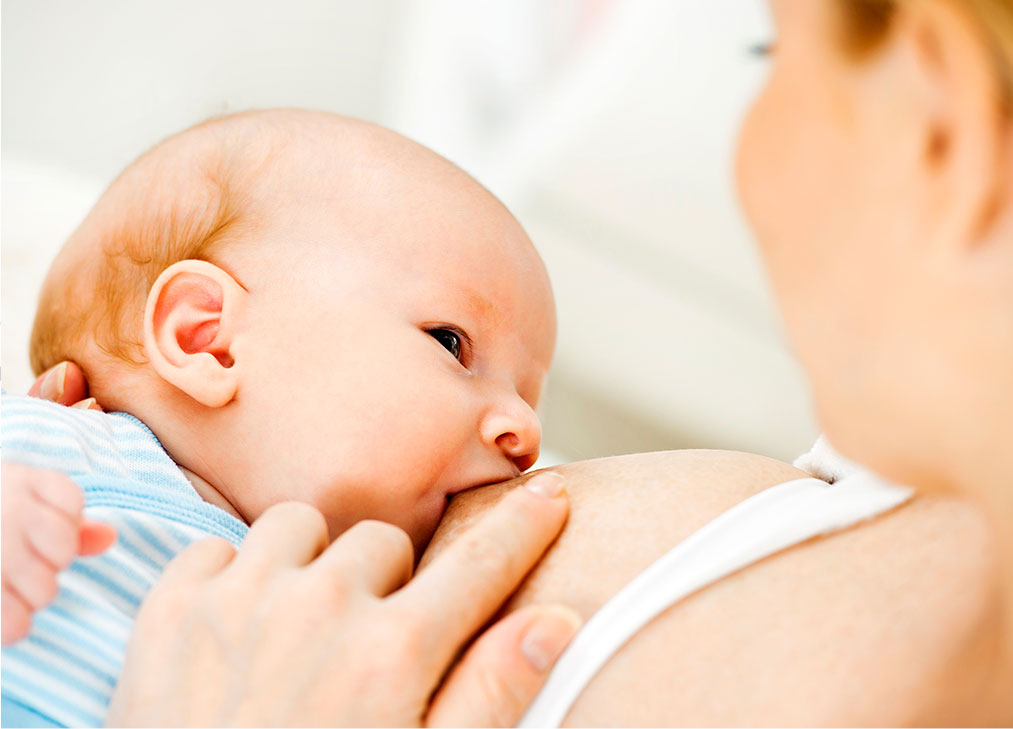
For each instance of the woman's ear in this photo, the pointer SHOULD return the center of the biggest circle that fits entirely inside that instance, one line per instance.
(964, 126)
(191, 321)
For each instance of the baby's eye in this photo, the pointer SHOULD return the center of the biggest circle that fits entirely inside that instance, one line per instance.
(764, 49)
(450, 340)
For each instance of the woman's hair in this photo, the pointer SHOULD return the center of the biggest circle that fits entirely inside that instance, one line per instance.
(866, 23)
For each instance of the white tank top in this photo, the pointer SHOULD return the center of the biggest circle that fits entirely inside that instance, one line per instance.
(763, 524)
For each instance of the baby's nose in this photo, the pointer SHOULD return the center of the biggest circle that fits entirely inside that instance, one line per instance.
(514, 428)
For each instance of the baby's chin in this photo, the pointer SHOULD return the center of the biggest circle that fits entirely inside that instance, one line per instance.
(427, 521)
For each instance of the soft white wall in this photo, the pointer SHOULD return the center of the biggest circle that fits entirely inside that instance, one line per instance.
(92, 83)
(607, 126)
(88, 85)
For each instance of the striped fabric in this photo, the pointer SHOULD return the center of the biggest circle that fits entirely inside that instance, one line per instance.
(63, 674)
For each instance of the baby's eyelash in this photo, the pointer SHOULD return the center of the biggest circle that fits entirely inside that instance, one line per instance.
(465, 345)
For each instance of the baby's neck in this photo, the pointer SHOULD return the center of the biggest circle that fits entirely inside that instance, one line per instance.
(186, 432)
(210, 494)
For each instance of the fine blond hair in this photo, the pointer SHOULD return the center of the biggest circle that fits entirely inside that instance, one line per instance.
(200, 194)
(182, 199)
(189, 197)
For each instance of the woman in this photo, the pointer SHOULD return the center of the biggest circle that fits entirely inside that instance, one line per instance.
(877, 170)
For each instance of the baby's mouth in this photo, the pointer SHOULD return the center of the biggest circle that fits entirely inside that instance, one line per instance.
(448, 495)
(480, 484)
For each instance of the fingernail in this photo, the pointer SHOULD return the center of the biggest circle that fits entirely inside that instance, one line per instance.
(548, 637)
(85, 404)
(548, 483)
(53, 383)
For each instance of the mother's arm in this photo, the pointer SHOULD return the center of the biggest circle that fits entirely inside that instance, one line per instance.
(873, 625)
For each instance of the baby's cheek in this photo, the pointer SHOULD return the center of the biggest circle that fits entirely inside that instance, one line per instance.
(342, 506)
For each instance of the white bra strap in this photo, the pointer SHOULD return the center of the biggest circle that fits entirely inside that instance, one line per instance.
(765, 523)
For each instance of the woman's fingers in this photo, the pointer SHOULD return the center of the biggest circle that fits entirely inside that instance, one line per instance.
(290, 534)
(309, 659)
(373, 554)
(64, 384)
(468, 582)
(201, 560)
(503, 671)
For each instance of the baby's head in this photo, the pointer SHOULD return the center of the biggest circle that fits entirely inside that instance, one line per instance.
(303, 306)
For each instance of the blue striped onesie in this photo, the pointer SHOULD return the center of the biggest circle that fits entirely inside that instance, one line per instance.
(64, 672)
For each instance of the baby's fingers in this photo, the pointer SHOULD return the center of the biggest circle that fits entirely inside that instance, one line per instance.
(17, 617)
(95, 537)
(60, 493)
(33, 579)
(51, 534)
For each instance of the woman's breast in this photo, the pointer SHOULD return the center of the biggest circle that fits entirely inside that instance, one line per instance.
(843, 629)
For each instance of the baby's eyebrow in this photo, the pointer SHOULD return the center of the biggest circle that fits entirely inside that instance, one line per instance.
(479, 302)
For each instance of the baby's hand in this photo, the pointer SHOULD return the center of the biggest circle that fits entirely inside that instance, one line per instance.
(42, 530)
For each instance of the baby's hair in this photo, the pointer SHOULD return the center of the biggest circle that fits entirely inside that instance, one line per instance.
(183, 199)
(192, 196)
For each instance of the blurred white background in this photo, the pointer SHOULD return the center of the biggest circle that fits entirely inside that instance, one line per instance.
(607, 127)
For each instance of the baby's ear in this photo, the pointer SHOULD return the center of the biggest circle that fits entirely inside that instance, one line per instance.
(191, 320)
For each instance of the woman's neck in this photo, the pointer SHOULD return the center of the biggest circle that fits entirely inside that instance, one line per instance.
(990, 483)
(1001, 518)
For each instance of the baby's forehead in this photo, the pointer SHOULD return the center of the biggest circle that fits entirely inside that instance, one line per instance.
(335, 188)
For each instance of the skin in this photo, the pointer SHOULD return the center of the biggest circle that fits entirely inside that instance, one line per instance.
(353, 235)
(908, 220)
(887, 233)
(291, 631)
(885, 624)
(889, 223)
(364, 215)
(43, 531)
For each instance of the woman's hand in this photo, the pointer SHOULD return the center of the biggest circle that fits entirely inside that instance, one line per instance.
(291, 631)
(65, 384)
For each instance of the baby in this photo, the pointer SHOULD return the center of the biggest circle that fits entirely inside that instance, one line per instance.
(291, 305)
